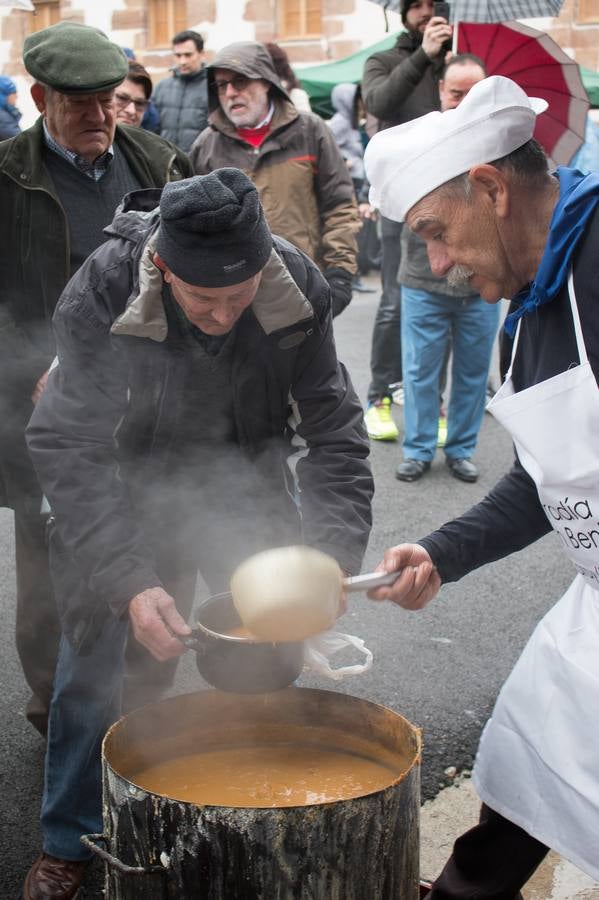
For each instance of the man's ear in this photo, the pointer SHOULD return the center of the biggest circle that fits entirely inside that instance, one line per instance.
(38, 92)
(489, 181)
(160, 264)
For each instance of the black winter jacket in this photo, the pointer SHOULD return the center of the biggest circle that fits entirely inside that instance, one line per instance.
(111, 405)
(511, 516)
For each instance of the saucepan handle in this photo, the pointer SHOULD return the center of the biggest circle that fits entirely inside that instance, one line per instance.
(91, 841)
(195, 641)
(192, 641)
(369, 581)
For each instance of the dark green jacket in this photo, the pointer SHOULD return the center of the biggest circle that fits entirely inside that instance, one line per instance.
(402, 83)
(34, 261)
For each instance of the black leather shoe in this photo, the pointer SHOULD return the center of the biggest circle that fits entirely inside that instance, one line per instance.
(463, 469)
(36, 713)
(412, 469)
(50, 878)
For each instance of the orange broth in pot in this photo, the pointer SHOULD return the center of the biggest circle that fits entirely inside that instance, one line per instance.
(288, 767)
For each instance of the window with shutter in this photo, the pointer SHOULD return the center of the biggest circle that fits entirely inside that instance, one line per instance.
(300, 18)
(165, 19)
(588, 12)
(47, 12)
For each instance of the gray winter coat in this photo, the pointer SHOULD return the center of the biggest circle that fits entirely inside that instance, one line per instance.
(182, 102)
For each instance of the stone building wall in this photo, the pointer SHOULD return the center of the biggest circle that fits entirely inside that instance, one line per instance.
(576, 30)
(346, 26)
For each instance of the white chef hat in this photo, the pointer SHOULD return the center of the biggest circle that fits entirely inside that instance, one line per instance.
(405, 163)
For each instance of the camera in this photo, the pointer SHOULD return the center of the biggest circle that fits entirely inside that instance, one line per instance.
(441, 9)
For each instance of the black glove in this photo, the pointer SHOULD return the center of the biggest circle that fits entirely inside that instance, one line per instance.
(340, 284)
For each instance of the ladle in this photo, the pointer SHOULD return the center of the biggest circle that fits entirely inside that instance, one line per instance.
(291, 593)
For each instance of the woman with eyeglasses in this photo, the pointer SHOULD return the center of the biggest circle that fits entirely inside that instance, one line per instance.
(133, 95)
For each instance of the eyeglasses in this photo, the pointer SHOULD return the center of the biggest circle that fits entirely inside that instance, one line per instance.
(239, 82)
(124, 100)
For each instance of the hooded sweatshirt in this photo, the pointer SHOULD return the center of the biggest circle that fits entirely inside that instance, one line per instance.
(343, 126)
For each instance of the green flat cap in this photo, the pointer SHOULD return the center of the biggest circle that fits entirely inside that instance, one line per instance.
(74, 59)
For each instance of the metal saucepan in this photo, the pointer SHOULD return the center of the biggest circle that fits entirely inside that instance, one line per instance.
(239, 664)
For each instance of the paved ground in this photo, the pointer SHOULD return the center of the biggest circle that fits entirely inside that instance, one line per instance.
(442, 668)
(454, 810)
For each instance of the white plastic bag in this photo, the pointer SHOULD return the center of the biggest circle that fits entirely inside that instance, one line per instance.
(319, 649)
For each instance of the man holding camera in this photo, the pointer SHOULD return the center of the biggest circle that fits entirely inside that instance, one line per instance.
(399, 85)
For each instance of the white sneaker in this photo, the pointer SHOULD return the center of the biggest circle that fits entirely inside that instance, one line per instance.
(397, 394)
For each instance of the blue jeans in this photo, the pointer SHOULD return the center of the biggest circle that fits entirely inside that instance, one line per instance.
(430, 323)
(85, 703)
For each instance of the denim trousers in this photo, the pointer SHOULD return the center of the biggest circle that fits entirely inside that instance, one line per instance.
(430, 324)
(88, 688)
(85, 703)
(385, 352)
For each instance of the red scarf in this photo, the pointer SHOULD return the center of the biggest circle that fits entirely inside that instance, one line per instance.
(254, 136)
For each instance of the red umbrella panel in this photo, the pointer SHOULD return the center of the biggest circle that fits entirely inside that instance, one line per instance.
(542, 69)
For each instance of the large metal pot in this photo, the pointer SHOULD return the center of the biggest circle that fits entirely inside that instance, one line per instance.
(237, 664)
(154, 846)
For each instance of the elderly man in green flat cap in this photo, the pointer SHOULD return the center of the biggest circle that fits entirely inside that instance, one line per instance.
(60, 182)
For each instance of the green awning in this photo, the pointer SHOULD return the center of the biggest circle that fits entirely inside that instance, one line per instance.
(319, 81)
(590, 80)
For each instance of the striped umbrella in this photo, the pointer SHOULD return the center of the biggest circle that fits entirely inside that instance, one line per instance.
(491, 10)
(502, 10)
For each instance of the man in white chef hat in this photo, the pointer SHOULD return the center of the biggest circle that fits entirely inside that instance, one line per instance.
(476, 186)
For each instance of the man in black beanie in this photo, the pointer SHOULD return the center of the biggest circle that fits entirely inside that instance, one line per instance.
(197, 414)
(399, 85)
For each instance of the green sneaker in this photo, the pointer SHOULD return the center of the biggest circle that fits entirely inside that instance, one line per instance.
(379, 421)
(442, 432)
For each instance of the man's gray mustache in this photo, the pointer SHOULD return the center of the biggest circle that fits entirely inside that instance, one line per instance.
(459, 275)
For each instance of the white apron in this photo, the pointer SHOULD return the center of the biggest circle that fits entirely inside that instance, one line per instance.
(538, 759)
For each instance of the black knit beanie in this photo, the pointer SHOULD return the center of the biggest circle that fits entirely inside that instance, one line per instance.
(212, 229)
(405, 5)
